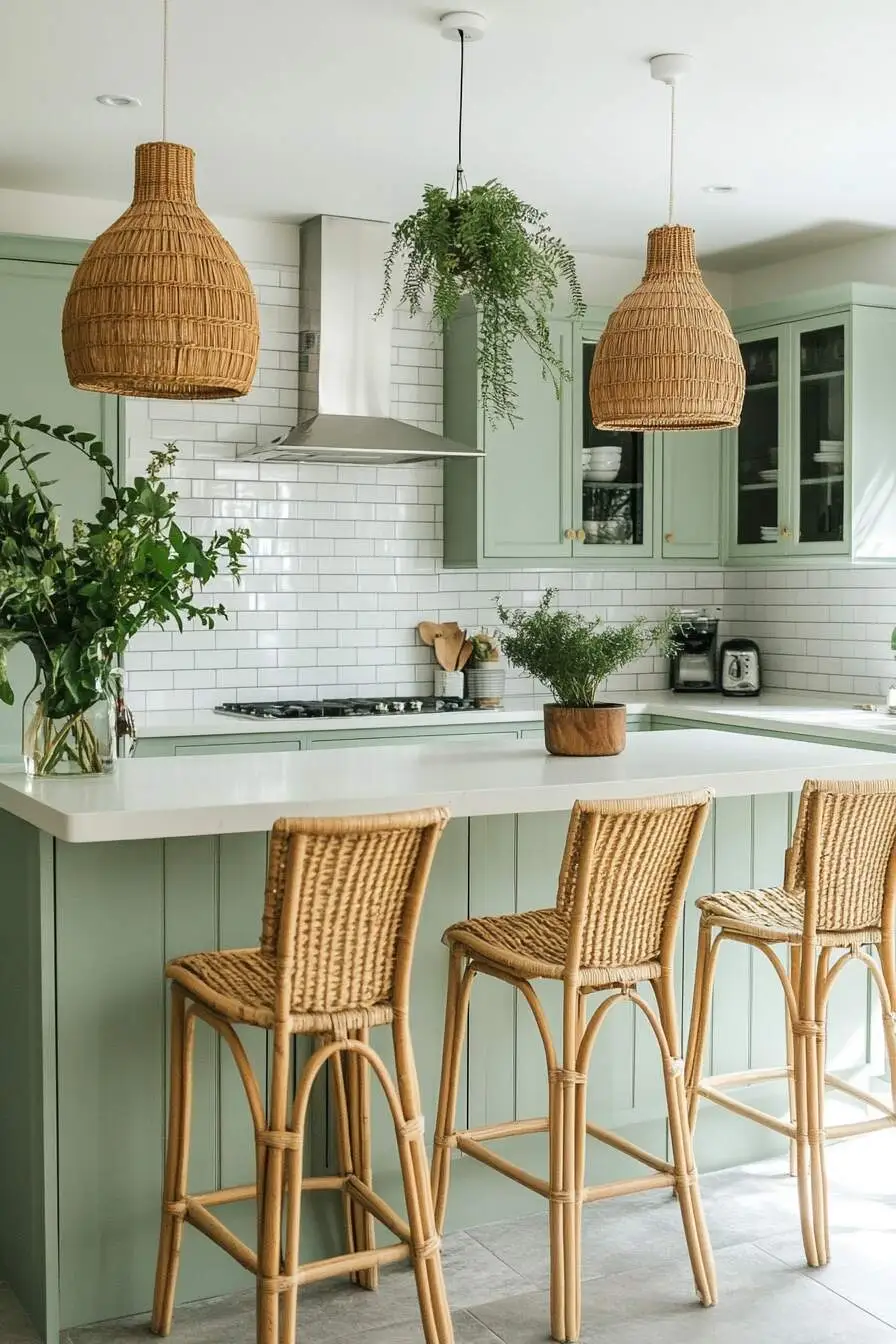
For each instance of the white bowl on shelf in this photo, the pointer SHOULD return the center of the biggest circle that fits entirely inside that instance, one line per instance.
(770, 474)
(600, 457)
(831, 446)
(604, 474)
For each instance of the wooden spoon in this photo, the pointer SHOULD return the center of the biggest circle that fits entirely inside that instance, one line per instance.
(453, 645)
(427, 630)
(465, 654)
(442, 651)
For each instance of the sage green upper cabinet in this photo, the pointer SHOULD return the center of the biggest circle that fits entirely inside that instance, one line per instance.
(33, 381)
(555, 489)
(516, 502)
(811, 471)
(691, 467)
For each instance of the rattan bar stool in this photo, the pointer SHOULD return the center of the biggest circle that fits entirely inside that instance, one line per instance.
(620, 893)
(342, 904)
(839, 893)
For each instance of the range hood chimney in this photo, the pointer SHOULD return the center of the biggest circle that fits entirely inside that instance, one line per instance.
(345, 356)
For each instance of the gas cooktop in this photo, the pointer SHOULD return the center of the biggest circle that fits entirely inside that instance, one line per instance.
(341, 709)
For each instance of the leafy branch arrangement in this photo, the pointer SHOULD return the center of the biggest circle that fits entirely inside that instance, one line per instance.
(572, 655)
(484, 241)
(76, 606)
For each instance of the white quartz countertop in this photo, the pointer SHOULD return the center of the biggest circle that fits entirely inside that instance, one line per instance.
(815, 715)
(208, 795)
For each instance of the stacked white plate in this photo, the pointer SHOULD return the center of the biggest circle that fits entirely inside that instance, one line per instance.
(830, 452)
(602, 463)
(768, 534)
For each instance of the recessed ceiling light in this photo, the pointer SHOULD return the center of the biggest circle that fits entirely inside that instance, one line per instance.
(719, 189)
(117, 100)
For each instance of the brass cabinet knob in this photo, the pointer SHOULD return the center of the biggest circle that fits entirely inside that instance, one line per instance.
(784, 532)
(580, 534)
(569, 535)
(670, 536)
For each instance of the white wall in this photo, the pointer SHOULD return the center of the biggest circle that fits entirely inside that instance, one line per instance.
(605, 280)
(82, 218)
(872, 261)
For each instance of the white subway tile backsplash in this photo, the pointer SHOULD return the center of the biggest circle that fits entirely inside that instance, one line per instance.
(345, 559)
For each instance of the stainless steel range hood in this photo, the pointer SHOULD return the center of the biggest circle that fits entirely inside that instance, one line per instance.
(345, 356)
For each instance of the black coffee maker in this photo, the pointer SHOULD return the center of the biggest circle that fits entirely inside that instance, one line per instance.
(694, 667)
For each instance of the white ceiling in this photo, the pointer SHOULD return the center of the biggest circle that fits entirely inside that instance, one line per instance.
(348, 107)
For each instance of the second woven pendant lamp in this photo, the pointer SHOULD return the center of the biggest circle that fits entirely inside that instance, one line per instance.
(161, 305)
(668, 358)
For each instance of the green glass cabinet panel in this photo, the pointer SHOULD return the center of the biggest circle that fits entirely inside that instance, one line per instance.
(691, 468)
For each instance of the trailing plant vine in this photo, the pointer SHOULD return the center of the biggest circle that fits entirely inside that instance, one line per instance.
(485, 242)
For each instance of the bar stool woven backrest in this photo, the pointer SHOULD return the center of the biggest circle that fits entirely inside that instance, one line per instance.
(341, 906)
(623, 876)
(849, 864)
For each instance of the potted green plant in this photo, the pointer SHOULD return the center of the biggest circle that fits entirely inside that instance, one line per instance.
(76, 605)
(573, 656)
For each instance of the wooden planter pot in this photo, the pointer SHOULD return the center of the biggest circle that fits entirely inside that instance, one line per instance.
(598, 731)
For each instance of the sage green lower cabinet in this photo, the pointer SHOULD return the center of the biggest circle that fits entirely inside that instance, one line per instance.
(396, 734)
(84, 933)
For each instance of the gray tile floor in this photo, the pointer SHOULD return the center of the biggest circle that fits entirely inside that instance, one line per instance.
(638, 1288)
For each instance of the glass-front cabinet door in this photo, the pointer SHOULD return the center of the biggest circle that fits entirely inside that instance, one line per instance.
(760, 485)
(820, 436)
(612, 480)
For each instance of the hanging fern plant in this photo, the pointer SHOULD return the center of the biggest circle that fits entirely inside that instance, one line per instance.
(485, 242)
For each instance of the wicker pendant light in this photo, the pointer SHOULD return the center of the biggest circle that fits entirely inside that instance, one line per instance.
(161, 305)
(668, 358)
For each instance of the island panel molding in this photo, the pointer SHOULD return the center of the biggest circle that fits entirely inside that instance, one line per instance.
(84, 933)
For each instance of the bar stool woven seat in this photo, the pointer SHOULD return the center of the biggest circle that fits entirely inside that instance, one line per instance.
(837, 905)
(341, 908)
(241, 983)
(536, 944)
(619, 897)
(772, 913)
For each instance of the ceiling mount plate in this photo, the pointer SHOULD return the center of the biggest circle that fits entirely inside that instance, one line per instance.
(462, 21)
(671, 67)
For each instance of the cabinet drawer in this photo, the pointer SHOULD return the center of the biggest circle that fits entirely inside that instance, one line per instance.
(234, 748)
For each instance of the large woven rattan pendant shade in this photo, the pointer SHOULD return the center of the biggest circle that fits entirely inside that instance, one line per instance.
(161, 305)
(668, 358)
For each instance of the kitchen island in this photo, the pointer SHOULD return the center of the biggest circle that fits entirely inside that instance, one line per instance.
(105, 879)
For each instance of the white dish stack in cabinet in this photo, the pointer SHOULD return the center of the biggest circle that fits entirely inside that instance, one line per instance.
(533, 498)
(810, 473)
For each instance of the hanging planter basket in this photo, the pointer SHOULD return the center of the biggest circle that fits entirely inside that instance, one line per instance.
(161, 305)
(668, 358)
(485, 244)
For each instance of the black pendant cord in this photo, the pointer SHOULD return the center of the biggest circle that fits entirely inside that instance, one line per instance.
(460, 182)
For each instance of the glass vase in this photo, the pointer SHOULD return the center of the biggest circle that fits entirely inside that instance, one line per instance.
(76, 743)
